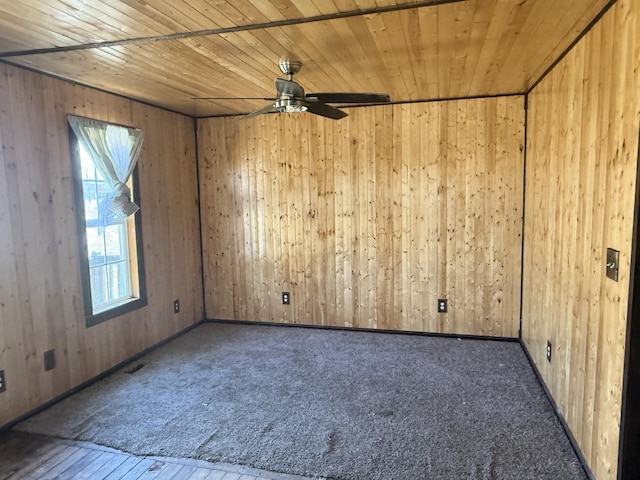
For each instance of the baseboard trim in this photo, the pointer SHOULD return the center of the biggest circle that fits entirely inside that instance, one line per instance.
(360, 329)
(97, 378)
(558, 413)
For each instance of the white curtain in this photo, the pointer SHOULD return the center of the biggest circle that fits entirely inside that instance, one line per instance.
(114, 151)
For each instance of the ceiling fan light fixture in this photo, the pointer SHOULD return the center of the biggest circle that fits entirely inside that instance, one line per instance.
(294, 108)
(290, 105)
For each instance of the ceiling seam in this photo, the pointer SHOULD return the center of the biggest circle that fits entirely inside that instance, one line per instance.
(406, 102)
(91, 87)
(200, 117)
(226, 30)
(587, 29)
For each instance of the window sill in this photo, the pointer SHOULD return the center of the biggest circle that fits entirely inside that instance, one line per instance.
(115, 311)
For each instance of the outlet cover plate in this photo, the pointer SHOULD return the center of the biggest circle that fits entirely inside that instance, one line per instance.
(442, 305)
(286, 298)
(3, 383)
(613, 263)
(49, 360)
(176, 306)
(549, 351)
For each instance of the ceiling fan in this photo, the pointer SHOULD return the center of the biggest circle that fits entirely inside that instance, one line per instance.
(290, 97)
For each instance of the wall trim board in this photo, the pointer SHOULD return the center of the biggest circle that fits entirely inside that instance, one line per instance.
(631, 391)
(203, 292)
(524, 209)
(362, 329)
(587, 29)
(558, 413)
(97, 378)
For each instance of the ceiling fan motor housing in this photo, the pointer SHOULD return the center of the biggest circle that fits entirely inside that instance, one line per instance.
(289, 67)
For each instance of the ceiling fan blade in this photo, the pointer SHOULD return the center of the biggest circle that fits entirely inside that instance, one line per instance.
(344, 97)
(232, 98)
(325, 110)
(266, 109)
(289, 88)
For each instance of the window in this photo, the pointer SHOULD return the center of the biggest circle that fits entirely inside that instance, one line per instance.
(111, 251)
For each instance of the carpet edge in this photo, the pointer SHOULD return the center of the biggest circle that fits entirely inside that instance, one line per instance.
(556, 410)
(7, 426)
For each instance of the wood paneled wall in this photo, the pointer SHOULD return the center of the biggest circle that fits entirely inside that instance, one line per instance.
(367, 221)
(40, 290)
(580, 186)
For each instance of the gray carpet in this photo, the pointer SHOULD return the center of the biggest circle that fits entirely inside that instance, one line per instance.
(326, 403)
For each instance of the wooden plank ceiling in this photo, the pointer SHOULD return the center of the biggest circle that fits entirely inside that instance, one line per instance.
(164, 52)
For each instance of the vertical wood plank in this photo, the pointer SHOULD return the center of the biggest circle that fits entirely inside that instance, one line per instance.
(40, 287)
(580, 187)
(371, 218)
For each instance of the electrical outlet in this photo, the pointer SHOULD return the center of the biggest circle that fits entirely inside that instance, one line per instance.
(613, 264)
(3, 384)
(176, 306)
(442, 305)
(285, 298)
(549, 351)
(49, 360)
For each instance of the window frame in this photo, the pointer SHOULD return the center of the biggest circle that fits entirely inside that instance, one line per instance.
(137, 267)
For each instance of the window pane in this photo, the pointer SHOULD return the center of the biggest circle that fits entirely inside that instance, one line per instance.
(115, 241)
(119, 280)
(95, 247)
(90, 200)
(98, 286)
(102, 190)
(88, 170)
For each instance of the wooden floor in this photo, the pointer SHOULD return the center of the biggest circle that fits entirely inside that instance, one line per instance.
(25, 456)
